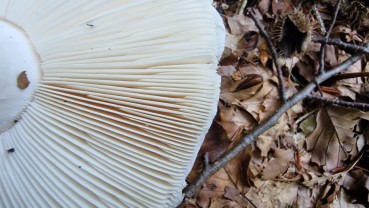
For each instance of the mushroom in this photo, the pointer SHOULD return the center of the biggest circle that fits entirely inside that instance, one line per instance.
(117, 99)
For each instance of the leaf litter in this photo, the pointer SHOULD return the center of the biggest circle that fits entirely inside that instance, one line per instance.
(317, 155)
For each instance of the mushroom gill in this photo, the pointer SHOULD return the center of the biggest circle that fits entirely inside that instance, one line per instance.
(121, 94)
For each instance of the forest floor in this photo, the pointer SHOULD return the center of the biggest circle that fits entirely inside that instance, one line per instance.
(317, 154)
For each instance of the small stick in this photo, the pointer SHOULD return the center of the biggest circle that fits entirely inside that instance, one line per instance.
(348, 76)
(351, 48)
(191, 189)
(206, 161)
(319, 18)
(243, 6)
(326, 36)
(359, 105)
(273, 51)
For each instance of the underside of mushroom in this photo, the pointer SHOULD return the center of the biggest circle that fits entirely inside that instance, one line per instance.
(104, 103)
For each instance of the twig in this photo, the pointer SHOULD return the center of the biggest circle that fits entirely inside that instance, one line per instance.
(362, 106)
(326, 36)
(337, 8)
(206, 161)
(351, 48)
(191, 189)
(319, 18)
(273, 51)
(318, 86)
(243, 6)
(348, 76)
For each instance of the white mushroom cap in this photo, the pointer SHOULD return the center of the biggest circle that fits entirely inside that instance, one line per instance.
(121, 95)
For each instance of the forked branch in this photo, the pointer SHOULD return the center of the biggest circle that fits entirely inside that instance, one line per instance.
(191, 189)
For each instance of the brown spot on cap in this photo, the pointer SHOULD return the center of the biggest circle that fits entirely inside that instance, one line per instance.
(22, 81)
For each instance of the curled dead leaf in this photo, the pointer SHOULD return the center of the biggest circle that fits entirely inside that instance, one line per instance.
(249, 81)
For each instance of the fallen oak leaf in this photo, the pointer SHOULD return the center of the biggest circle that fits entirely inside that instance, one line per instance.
(333, 141)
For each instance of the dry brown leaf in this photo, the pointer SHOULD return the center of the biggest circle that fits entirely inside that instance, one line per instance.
(264, 143)
(346, 91)
(247, 69)
(280, 7)
(263, 51)
(274, 168)
(306, 67)
(330, 90)
(331, 56)
(215, 144)
(351, 87)
(214, 188)
(342, 200)
(307, 197)
(264, 6)
(22, 80)
(263, 103)
(229, 94)
(236, 169)
(264, 56)
(345, 31)
(249, 81)
(231, 193)
(278, 164)
(355, 179)
(273, 194)
(333, 140)
(328, 196)
(217, 203)
(226, 71)
(240, 24)
(234, 45)
(234, 118)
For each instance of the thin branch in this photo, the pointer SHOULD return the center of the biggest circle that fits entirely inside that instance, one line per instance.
(319, 18)
(362, 106)
(326, 36)
(318, 86)
(243, 6)
(351, 48)
(337, 8)
(348, 76)
(322, 59)
(191, 189)
(273, 51)
(206, 161)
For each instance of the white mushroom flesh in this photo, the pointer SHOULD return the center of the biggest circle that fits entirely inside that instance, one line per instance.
(121, 95)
